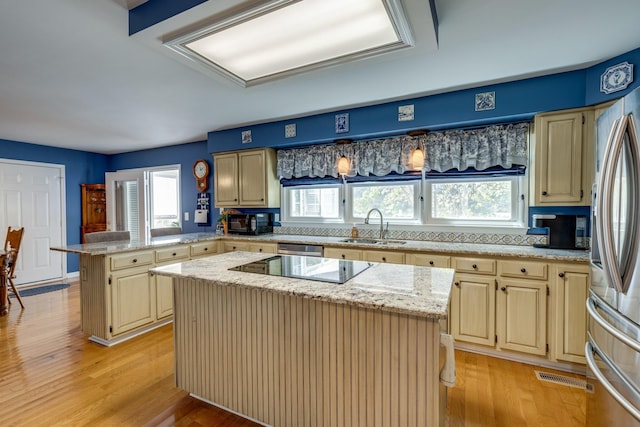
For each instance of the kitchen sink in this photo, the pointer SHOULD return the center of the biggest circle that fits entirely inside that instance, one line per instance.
(365, 241)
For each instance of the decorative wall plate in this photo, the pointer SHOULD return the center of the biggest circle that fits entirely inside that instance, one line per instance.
(616, 77)
(342, 123)
(290, 130)
(485, 101)
(246, 137)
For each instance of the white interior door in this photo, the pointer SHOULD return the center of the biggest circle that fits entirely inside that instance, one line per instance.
(31, 196)
(125, 203)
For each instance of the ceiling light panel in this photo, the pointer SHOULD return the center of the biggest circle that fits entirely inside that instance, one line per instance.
(273, 40)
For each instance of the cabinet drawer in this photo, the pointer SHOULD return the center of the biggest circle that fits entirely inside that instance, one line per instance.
(129, 260)
(429, 260)
(340, 253)
(523, 269)
(474, 265)
(235, 246)
(204, 248)
(384, 256)
(267, 248)
(173, 253)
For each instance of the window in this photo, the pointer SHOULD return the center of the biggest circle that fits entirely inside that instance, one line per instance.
(398, 201)
(141, 199)
(165, 202)
(312, 202)
(482, 200)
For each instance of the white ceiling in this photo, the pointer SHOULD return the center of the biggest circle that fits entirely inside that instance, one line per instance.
(70, 76)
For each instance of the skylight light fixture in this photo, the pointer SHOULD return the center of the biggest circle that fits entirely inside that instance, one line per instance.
(285, 37)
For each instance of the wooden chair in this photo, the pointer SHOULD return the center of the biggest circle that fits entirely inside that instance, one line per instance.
(12, 247)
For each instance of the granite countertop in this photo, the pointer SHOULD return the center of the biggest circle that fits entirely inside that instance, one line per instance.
(427, 246)
(471, 249)
(106, 248)
(417, 291)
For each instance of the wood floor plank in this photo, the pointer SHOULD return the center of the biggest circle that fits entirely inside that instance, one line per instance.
(50, 374)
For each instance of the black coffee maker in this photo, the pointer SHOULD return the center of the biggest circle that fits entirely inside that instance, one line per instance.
(564, 231)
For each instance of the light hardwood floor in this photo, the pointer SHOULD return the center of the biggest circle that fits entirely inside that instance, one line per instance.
(50, 374)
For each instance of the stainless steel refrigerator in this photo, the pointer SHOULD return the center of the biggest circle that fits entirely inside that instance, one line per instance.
(613, 345)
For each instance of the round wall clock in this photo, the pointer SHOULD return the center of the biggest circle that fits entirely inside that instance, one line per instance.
(201, 173)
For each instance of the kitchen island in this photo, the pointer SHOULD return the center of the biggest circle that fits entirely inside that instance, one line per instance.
(290, 351)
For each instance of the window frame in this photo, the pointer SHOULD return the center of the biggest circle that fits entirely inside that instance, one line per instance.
(286, 205)
(518, 203)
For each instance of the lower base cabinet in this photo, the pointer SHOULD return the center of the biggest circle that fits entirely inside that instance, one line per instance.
(132, 300)
(570, 316)
(473, 307)
(521, 316)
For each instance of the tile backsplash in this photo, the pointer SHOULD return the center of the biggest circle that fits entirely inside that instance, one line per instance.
(445, 236)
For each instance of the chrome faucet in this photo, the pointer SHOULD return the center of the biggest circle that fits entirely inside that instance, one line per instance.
(366, 220)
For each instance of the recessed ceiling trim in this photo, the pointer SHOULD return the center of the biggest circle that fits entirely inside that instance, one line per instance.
(182, 44)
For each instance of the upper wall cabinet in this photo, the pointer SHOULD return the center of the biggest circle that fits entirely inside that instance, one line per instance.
(246, 179)
(563, 158)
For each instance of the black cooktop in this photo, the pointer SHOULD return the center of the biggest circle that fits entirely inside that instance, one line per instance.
(306, 267)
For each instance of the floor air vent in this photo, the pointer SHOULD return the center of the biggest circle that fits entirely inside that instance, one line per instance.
(561, 379)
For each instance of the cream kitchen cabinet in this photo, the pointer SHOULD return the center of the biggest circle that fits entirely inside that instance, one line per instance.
(343, 253)
(392, 257)
(132, 300)
(473, 308)
(246, 179)
(230, 246)
(562, 159)
(267, 248)
(236, 245)
(521, 316)
(428, 260)
(570, 314)
(163, 284)
(120, 298)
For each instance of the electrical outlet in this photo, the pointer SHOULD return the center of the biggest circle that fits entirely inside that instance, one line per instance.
(186, 216)
(276, 217)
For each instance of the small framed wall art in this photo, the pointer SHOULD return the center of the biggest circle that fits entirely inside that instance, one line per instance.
(342, 123)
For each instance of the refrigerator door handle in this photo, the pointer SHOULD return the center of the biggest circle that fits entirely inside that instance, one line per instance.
(619, 280)
(593, 312)
(589, 350)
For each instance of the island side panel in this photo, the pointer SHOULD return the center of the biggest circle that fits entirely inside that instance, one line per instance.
(93, 296)
(287, 360)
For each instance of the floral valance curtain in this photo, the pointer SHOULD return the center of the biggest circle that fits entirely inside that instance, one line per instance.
(500, 145)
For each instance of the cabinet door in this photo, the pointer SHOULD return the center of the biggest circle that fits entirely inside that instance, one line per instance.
(522, 316)
(473, 307)
(558, 159)
(383, 256)
(572, 286)
(164, 296)
(225, 182)
(251, 179)
(132, 300)
(342, 253)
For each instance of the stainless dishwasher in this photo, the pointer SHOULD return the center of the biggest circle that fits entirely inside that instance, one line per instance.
(300, 249)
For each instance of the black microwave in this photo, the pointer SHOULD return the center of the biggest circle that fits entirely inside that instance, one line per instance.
(259, 223)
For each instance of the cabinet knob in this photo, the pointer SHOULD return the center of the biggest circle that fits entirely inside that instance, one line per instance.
(560, 274)
(503, 289)
(430, 262)
(474, 266)
(235, 200)
(343, 257)
(174, 254)
(523, 270)
(384, 259)
(135, 260)
(262, 200)
(260, 250)
(206, 249)
(544, 193)
(457, 283)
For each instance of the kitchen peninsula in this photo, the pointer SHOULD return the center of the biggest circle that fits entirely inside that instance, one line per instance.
(119, 299)
(293, 351)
